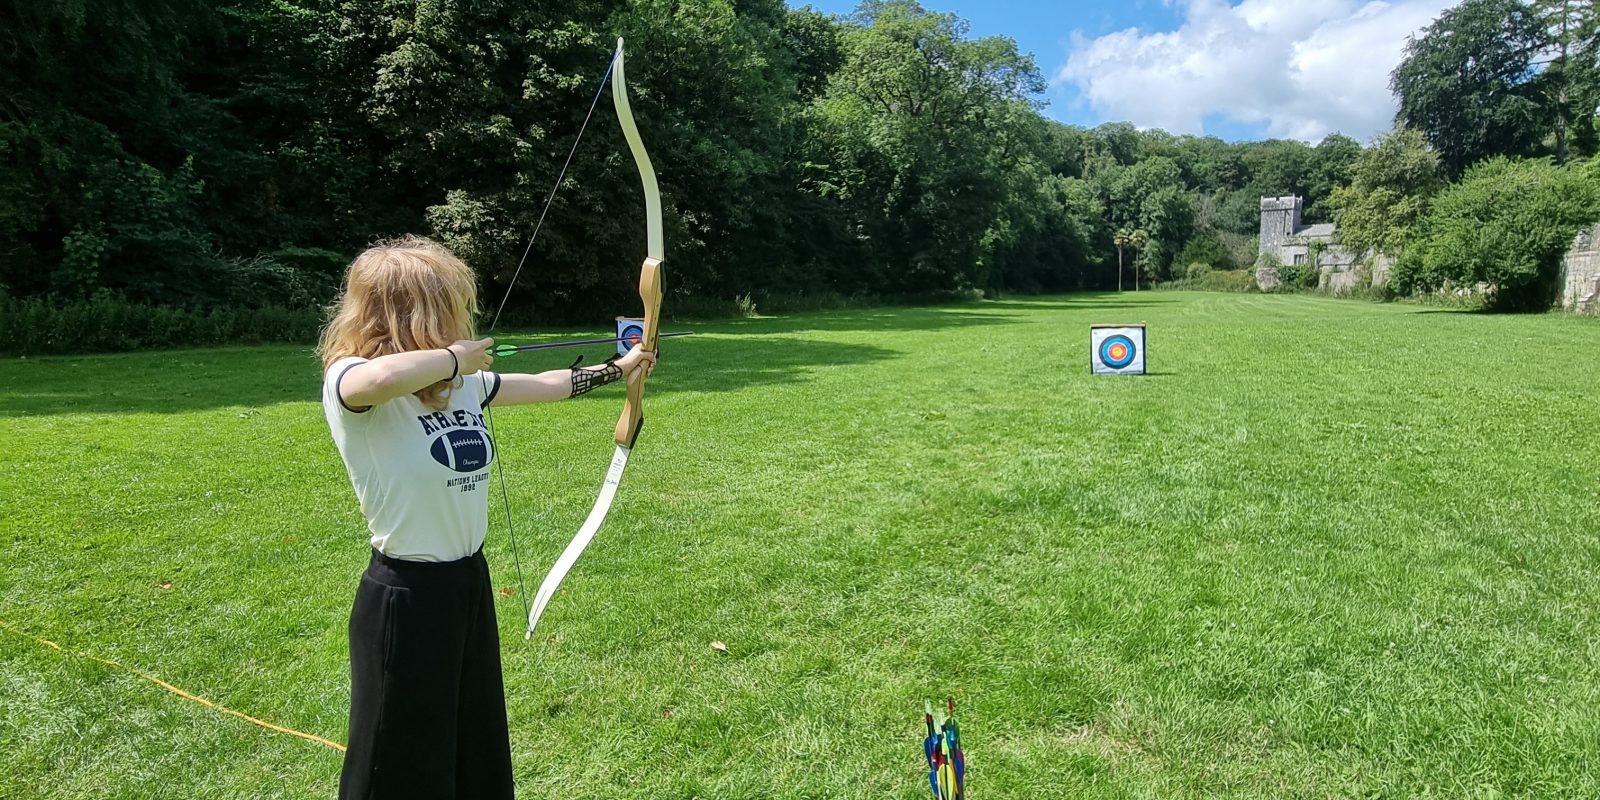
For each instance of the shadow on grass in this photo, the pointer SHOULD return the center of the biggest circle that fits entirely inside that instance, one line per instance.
(1094, 302)
(192, 380)
(885, 320)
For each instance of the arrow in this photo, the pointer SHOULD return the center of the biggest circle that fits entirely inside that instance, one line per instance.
(511, 349)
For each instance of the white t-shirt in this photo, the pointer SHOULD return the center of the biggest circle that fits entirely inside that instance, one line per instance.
(422, 476)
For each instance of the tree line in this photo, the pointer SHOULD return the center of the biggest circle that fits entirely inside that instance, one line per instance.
(1490, 172)
(199, 161)
(204, 155)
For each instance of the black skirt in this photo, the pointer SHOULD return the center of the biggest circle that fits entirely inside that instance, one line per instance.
(427, 701)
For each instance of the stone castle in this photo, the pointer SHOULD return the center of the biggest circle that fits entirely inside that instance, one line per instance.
(1288, 241)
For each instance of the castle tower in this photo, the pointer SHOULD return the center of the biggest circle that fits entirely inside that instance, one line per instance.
(1280, 218)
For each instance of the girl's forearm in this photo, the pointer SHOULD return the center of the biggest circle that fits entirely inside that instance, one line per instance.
(387, 377)
(557, 384)
(587, 379)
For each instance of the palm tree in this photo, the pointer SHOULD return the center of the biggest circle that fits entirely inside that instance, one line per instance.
(1124, 238)
(1136, 240)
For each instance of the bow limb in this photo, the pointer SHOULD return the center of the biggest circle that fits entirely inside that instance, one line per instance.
(632, 419)
(655, 253)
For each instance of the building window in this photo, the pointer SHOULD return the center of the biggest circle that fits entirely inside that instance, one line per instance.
(1299, 258)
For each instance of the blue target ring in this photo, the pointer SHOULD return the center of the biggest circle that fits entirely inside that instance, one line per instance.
(1117, 351)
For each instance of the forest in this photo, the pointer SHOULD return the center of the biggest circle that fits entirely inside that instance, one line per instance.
(189, 172)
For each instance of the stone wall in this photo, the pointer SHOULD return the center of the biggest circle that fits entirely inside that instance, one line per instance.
(1266, 277)
(1339, 271)
(1580, 273)
(1339, 278)
(1284, 240)
(1381, 266)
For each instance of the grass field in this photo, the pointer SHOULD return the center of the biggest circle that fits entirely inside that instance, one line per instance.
(1327, 549)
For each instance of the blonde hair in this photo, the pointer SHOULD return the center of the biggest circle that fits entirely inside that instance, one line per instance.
(399, 296)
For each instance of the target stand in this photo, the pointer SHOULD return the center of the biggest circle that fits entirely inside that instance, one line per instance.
(1116, 349)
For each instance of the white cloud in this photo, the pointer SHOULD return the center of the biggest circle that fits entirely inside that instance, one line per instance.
(1301, 68)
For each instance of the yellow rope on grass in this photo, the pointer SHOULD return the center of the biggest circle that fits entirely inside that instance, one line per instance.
(310, 737)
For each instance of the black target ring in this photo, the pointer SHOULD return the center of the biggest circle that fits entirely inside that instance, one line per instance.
(1118, 351)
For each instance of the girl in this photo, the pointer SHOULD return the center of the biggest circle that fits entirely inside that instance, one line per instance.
(405, 389)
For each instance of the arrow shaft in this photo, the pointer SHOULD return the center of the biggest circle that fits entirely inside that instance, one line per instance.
(508, 349)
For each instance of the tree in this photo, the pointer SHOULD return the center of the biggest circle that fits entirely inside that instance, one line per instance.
(1118, 140)
(1167, 220)
(919, 129)
(1390, 187)
(1570, 80)
(99, 139)
(1469, 83)
(1215, 165)
(1123, 238)
(1207, 249)
(1047, 236)
(1129, 189)
(234, 154)
(1137, 240)
(1332, 164)
(813, 37)
(1131, 239)
(1275, 168)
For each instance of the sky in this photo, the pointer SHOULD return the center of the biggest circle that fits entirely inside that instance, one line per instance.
(1256, 69)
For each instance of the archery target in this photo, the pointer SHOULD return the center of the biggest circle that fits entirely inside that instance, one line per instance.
(629, 332)
(1116, 349)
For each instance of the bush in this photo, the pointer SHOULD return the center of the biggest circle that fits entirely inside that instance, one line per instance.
(1506, 224)
(1209, 280)
(1206, 248)
(1294, 277)
(265, 281)
(108, 324)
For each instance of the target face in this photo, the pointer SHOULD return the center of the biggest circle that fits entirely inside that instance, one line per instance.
(631, 335)
(630, 332)
(1116, 349)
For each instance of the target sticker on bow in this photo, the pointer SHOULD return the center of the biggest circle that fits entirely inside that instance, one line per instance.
(629, 332)
(1116, 349)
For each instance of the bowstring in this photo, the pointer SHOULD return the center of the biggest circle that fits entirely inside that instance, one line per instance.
(488, 408)
(552, 196)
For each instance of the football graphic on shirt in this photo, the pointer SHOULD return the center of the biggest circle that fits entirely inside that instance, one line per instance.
(463, 450)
